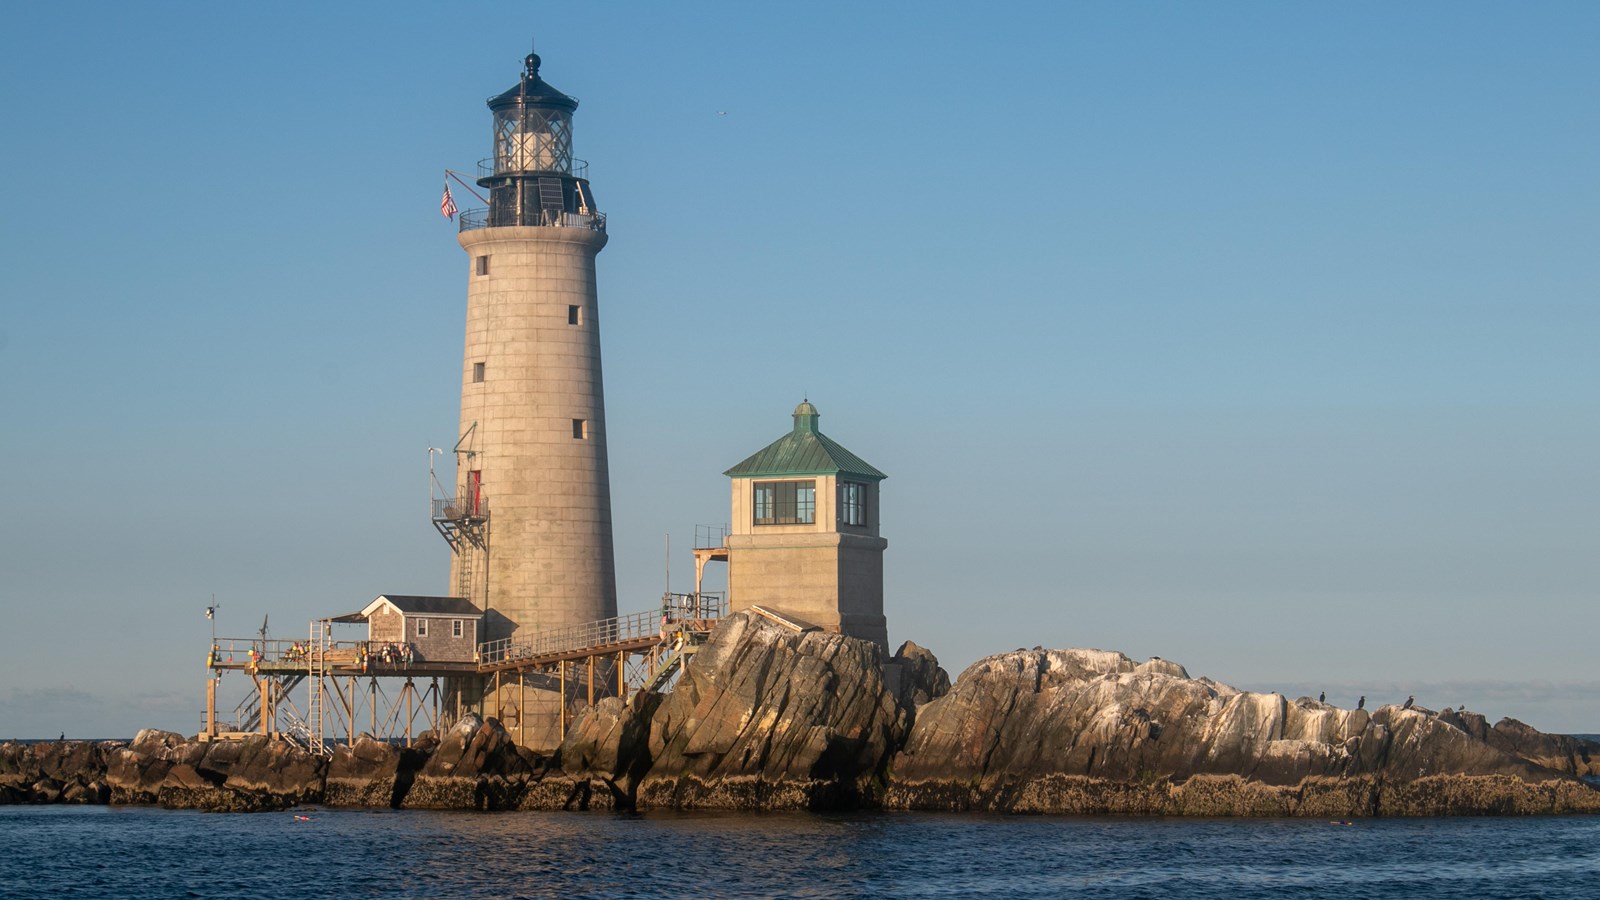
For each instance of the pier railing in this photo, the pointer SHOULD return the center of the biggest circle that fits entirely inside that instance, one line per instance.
(606, 632)
(465, 508)
(228, 650)
(233, 652)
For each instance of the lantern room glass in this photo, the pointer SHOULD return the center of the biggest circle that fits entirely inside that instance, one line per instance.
(530, 139)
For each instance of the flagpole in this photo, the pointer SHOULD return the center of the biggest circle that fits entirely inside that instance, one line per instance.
(451, 173)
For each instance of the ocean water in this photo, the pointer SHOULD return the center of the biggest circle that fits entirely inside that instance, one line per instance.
(58, 851)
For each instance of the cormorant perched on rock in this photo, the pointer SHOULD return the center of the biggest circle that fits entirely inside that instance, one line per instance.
(1322, 697)
(1362, 703)
(1410, 700)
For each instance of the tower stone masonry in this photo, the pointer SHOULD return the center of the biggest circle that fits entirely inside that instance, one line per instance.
(531, 460)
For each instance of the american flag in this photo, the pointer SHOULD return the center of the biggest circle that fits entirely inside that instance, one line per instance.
(447, 206)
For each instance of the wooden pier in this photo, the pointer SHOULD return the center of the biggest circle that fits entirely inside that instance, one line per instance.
(351, 685)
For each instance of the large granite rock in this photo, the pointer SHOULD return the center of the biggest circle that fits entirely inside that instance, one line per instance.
(1564, 753)
(922, 679)
(254, 774)
(477, 765)
(136, 772)
(605, 754)
(55, 772)
(1086, 731)
(765, 717)
(370, 773)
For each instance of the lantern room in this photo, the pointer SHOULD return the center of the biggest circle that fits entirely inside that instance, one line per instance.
(532, 178)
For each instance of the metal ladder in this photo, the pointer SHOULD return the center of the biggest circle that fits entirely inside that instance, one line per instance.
(464, 572)
(316, 669)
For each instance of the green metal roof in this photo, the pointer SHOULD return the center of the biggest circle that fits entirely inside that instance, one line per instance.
(804, 451)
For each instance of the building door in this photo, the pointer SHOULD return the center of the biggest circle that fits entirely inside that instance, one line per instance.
(475, 492)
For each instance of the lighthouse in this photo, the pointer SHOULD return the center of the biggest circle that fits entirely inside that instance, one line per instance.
(529, 524)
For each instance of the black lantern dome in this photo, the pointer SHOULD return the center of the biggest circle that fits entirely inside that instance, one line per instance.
(532, 90)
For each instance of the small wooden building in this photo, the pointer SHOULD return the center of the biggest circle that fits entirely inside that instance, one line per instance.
(438, 629)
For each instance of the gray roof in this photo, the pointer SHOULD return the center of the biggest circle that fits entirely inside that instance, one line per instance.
(433, 606)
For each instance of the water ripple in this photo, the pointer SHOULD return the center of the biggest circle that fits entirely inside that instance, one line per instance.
(94, 852)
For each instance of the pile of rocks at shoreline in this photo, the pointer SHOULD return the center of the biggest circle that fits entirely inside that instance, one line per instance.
(767, 718)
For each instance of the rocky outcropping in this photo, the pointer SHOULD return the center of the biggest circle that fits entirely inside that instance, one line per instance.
(771, 718)
(477, 765)
(248, 775)
(1086, 731)
(1561, 752)
(922, 679)
(767, 717)
(371, 773)
(62, 772)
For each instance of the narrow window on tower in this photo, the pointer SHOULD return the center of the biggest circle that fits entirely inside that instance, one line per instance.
(481, 265)
(580, 429)
(477, 373)
(852, 503)
(574, 315)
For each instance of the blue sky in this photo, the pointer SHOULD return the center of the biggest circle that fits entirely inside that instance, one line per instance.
(1256, 336)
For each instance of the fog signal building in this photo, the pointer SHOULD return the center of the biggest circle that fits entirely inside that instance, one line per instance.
(804, 539)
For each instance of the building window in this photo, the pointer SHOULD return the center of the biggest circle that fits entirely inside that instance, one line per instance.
(422, 628)
(852, 503)
(477, 373)
(580, 429)
(456, 628)
(481, 265)
(574, 315)
(786, 502)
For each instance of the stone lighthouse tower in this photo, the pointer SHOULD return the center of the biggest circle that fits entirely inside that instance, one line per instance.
(530, 522)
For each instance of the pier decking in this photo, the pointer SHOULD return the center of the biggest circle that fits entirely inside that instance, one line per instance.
(345, 693)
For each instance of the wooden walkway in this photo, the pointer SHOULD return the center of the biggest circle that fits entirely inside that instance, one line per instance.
(582, 663)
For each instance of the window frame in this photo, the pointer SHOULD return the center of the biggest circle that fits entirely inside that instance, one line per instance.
(458, 628)
(422, 627)
(784, 502)
(853, 504)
